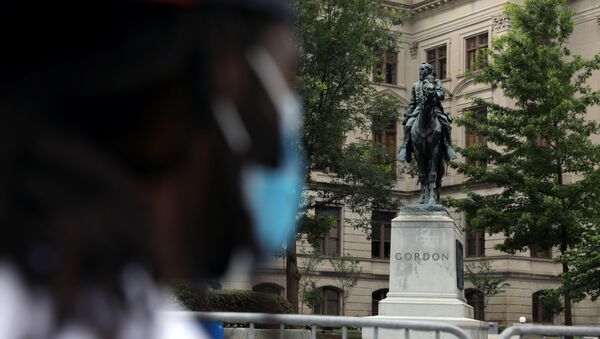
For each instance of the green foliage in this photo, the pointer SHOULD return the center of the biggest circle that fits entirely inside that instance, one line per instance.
(347, 271)
(583, 279)
(551, 303)
(483, 278)
(533, 144)
(188, 296)
(312, 227)
(310, 294)
(341, 42)
(231, 301)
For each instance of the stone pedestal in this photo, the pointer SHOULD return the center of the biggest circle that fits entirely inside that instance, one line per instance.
(426, 273)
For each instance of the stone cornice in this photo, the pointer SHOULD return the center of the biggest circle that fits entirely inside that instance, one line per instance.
(588, 14)
(420, 7)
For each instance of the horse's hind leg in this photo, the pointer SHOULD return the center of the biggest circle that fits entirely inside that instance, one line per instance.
(440, 173)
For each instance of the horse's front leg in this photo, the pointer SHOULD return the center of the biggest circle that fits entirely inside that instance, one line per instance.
(433, 175)
(422, 177)
(424, 189)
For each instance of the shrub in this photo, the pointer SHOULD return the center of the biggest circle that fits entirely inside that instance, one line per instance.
(231, 301)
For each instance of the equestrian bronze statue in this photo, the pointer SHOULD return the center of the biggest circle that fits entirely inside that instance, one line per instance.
(427, 132)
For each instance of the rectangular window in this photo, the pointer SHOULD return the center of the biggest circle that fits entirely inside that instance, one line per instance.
(387, 72)
(436, 57)
(330, 243)
(475, 244)
(475, 45)
(472, 138)
(544, 254)
(387, 139)
(381, 234)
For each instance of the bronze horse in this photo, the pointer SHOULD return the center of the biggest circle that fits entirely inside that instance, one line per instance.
(426, 134)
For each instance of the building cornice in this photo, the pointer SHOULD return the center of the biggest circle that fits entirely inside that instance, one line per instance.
(422, 6)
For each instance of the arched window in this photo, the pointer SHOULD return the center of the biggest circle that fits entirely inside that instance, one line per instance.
(475, 298)
(331, 302)
(269, 288)
(540, 313)
(375, 298)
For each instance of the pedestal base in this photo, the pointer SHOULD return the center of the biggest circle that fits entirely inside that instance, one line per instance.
(433, 305)
(426, 275)
(475, 329)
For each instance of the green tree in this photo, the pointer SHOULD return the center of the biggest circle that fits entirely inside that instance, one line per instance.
(483, 278)
(533, 144)
(310, 294)
(583, 278)
(341, 42)
(347, 271)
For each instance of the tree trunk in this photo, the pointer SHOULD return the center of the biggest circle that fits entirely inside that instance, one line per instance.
(567, 297)
(564, 245)
(292, 276)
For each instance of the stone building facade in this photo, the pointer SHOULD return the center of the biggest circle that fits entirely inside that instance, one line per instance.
(446, 33)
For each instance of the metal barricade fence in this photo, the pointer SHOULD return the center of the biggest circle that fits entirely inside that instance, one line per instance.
(313, 321)
(555, 331)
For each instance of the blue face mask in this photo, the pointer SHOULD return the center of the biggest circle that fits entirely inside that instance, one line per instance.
(272, 195)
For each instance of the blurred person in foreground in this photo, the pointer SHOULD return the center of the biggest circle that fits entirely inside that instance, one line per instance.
(141, 143)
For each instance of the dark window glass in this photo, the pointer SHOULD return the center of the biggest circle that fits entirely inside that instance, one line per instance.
(375, 240)
(475, 299)
(391, 68)
(387, 139)
(330, 302)
(388, 69)
(375, 298)
(330, 243)
(472, 138)
(545, 253)
(437, 58)
(539, 313)
(474, 46)
(381, 234)
(475, 244)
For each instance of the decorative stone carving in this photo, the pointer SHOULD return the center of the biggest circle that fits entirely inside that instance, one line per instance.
(413, 47)
(427, 5)
(500, 23)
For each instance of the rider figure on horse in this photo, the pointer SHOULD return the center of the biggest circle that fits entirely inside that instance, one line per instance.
(426, 75)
